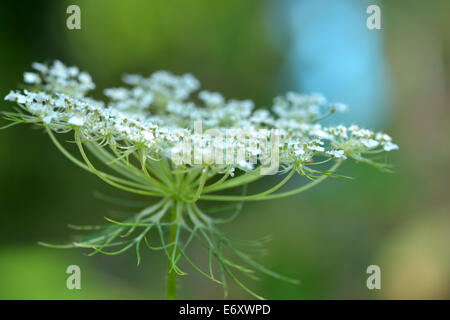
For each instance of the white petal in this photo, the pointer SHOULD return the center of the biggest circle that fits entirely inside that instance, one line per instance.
(76, 121)
(390, 146)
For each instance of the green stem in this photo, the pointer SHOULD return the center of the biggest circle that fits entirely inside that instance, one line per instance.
(266, 195)
(103, 176)
(252, 197)
(171, 282)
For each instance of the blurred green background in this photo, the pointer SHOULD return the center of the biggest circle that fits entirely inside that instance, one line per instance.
(396, 79)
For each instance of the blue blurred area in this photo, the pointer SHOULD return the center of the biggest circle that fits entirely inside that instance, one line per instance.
(332, 52)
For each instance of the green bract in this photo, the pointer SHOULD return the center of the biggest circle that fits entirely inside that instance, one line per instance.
(150, 138)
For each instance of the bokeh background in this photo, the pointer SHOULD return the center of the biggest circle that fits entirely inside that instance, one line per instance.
(396, 79)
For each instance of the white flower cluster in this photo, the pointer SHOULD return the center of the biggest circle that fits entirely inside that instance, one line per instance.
(165, 84)
(127, 100)
(59, 78)
(153, 115)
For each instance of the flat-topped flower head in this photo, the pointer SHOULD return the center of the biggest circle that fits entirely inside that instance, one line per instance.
(149, 115)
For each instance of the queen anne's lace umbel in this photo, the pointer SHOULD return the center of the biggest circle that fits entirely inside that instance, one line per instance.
(162, 140)
(153, 115)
